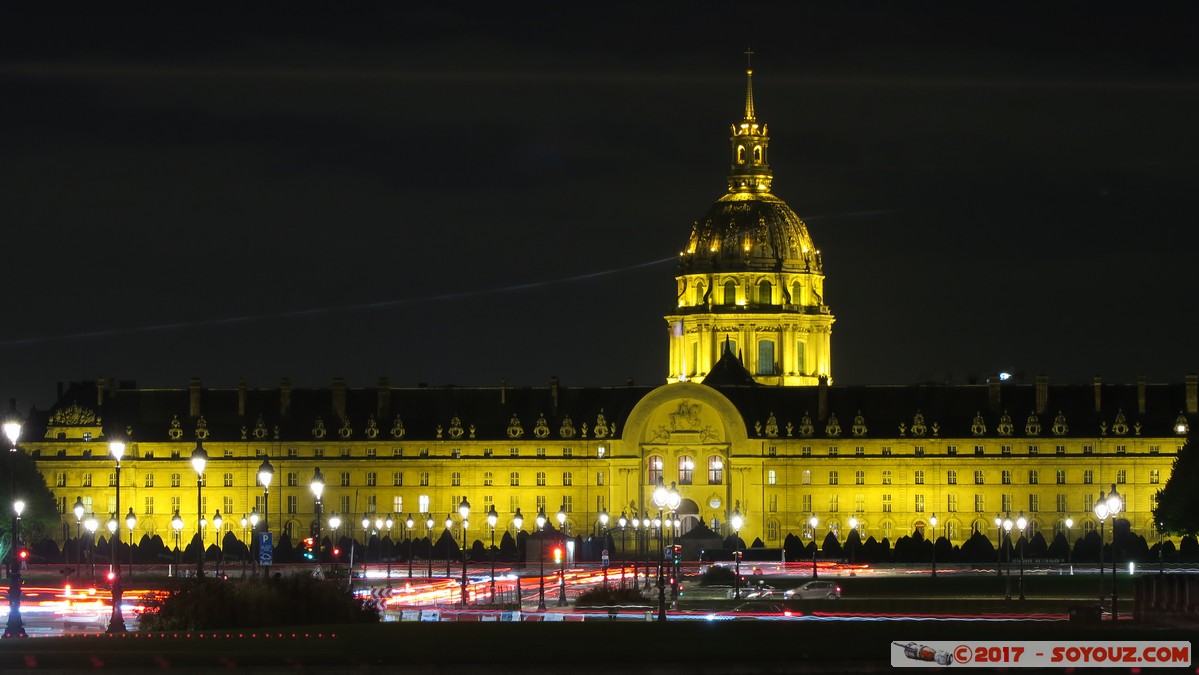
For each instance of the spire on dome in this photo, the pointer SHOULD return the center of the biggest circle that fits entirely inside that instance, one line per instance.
(749, 85)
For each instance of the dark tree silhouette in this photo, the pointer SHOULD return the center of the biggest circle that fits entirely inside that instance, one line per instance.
(1178, 502)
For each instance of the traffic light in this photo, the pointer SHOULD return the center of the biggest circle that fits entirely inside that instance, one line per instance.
(22, 554)
(676, 552)
(557, 554)
(309, 548)
(336, 553)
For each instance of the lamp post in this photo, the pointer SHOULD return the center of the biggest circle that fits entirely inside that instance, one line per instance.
(217, 522)
(1101, 514)
(998, 546)
(390, 545)
(334, 523)
(663, 498)
(541, 520)
(116, 623)
(1069, 524)
(518, 522)
(1007, 531)
(932, 522)
(449, 527)
(853, 527)
(79, 509)
(562, 562)
(429, 525)
(1113, 508)
(317, 485)
(266, 473)
(177, 526)
(244, 527)
(623, 522)
(91, 525)
(408, 525)
(199, 461)
(736, 521)
(492, 519)
(603, 527)
(366, 540)
(254, 529)
(646, 534)
(636, 522)
(814, 522)
(130, 523)
(15, 626)
(1021, 523)
(464, 511)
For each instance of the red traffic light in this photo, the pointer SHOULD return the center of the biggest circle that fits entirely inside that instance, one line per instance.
(23, 554)
(336, 552)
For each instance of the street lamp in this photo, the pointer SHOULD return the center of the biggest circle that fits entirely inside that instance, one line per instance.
(636, 523)
(736, 521)
(334, 523)
(646, 534)
(623, 522)
(1101, 514)
(932, 522)
(130, 523)
(998, 546)
(663, 498)
(1113, 508)
(217, 522)
(408, 525)
(79, 509)
(853, 527)
(177, 526)
(562, 561)
(366, 540)
(429, 524)
(15, 626)
(603, 522)
(266, 472)
(814, 522)
(116, 623)
(492, 519)
(1007, 531)
(390, 545)
(464, 511)
(317, 485)
(244, 526)
(254, 529)
(199, 461)
(1069, 524)
(541, 520)
(91, 525)
(449, 527)
(1021, 523)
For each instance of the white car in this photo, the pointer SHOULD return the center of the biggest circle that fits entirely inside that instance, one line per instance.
(815, 590)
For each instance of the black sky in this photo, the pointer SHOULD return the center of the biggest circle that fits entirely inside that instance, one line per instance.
(451, 196)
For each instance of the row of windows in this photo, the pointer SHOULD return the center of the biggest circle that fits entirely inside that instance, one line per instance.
(979, 450)
(292, 479)
(951, 477)
(1007, 503)
(686, 470)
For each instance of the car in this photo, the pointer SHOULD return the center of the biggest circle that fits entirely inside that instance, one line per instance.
(815, 590)
(758, 591)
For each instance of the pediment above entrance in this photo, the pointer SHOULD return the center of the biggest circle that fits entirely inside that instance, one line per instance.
(685, 414)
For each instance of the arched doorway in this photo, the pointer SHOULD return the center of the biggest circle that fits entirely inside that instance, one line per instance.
(688, 514)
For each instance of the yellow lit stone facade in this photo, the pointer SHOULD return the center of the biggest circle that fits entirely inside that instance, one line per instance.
(727, 431)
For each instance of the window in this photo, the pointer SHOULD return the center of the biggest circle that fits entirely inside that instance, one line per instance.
(978, 477)
(318, 452)
(886, 503)
(293, 504)
(806, 451)
(1005, 477)
(805, 502)
(568, 504)
(397, 505)
(1032, 449)
(397, 478)
(569, 452)
(951, 477)
(833, 503)
(764, 292)
(112, 479)
(60, 480)
(488, 452)
(1061, 503)
(345, 452)
(1034, 503)
(951, 503)
(174, 480)
(1005, 503)
(771, 478)
(1059, 449)
(1088, 449)
(541, 452)
(514, 452)
(1155, 449)
(715, 470)
(772, 530)
(832, 477)
(859, 502)
(514, 479)
(456, 479)
(540, 479)
(979, 504)
(886, 476)
(149, 480)
(228, 505)
(772, 503)
(886, 451)
(1059, 476)
(456, 453)
(1088, 476)
(951, 450)
(423, 503)
(568, 479)
(344, 504)
(87, 480)
(655, 469)
(772, 451)
(806, 478)
(487, 479)
(765, 357)
(832, 451)
(859, 477)
(371, 452)
(699, 291)
(228, 479)
(730, 293)
(919, 477)
(919, 503)
(1121, 449)
(859, 451)
(1121, 476)
(686, 470)
(345, 479)
(1155, 476)
(919, 450)
(887, 527)
(599, 478)
(293, 479)
(1032, 477)
(174, 504)
(148, 509)
(424, 479)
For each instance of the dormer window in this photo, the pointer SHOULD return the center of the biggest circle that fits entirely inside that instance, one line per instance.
(757, 154)
(740, 154)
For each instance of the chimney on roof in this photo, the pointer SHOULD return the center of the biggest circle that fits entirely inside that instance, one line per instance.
(503, 391)
(100, 383)
(1042, 393)
(1192, 393)
(1098, 393)
(822, 397)
(285, 397)
(339, 397)
(384, 409)
(993, 397)
(193, 397)
(1141, 394)
(554, 395)
(241, 397)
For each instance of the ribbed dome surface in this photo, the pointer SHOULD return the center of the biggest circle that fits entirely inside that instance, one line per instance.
(749, 232)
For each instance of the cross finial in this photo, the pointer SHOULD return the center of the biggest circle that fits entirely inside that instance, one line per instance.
(749, 58)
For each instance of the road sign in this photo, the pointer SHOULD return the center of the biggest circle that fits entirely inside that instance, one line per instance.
(266, 550)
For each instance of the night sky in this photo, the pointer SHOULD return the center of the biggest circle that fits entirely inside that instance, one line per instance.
(455, 197)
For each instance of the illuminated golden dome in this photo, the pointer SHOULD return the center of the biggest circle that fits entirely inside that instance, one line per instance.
(749, 229)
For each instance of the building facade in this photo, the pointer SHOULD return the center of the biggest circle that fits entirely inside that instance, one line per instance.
(748, 421)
